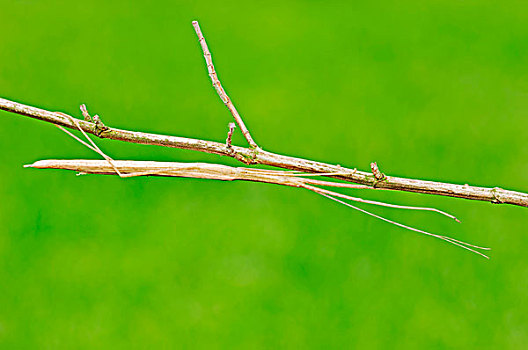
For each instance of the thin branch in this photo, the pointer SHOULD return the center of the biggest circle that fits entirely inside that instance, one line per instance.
(218, 86)
(376, 172)
(86, 115)
(230, 134)
(257, 156)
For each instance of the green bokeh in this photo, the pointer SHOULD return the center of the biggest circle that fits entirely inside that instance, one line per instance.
(435, 90)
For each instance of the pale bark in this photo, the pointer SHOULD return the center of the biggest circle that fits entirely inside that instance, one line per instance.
(258, 156)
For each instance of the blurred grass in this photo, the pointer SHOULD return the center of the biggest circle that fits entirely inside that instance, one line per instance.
(434, 90)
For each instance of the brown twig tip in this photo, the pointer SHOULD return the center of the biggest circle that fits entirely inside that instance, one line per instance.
(232, 127)
(376, 172)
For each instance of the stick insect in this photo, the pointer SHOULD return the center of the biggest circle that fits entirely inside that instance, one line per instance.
(127, 168)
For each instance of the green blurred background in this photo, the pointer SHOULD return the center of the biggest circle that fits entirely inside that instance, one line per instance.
(433, 90)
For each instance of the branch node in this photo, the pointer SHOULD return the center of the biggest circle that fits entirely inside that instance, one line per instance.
(496, 199)
(99, 125)
(248, 159)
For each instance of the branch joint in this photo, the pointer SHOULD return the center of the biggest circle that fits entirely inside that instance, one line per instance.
(496, 196)
(378, 175)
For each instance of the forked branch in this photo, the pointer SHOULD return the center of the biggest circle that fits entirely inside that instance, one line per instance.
(258, 156)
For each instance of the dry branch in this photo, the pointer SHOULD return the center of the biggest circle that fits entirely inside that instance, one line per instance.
(218, 86)
(258, 156)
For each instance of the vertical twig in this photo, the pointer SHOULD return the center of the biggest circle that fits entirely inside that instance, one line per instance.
(218, 86)
(230, 134)
(86, 115)
(376, 172)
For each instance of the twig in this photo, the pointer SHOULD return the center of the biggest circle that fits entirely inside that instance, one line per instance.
(86, 115)
(230, 134)
(376, 172)
(218, 86)
(251, 156)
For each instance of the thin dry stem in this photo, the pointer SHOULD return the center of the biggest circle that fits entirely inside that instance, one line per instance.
(218, 86)
(376, 172)
(86, 115)
(230, 134)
